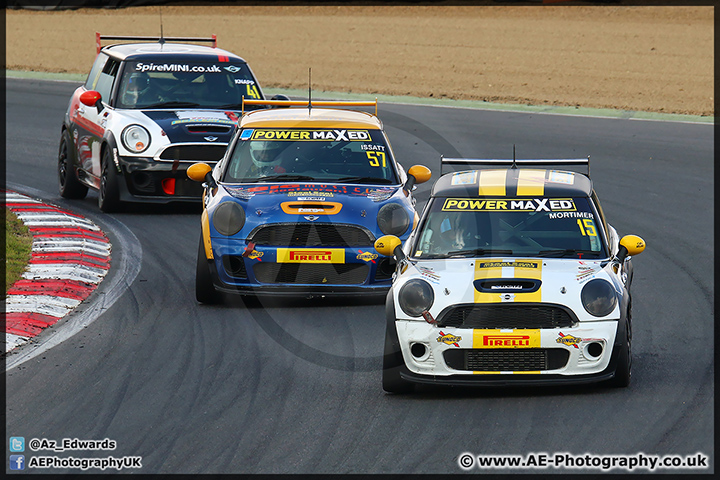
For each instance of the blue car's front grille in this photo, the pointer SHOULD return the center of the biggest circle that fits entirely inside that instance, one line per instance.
(312, 273)
(311, 235)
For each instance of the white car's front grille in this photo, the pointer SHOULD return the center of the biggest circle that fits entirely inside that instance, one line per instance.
(193, 153)
(506, 316)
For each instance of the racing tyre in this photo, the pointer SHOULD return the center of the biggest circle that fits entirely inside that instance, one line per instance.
(70, 186)
(204, 290)
(623, 372)
(109, 194)
(392, 357)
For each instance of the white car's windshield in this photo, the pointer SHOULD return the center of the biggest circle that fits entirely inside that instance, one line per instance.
(545, 227)
(297, 154)
(190, 85)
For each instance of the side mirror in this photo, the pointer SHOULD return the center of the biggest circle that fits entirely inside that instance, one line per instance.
(91, 98)
(283, 97)
(630, 245)
(201, 172)
(390, 245)
(416, 174)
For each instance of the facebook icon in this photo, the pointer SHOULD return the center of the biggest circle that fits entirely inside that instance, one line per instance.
(17, 462)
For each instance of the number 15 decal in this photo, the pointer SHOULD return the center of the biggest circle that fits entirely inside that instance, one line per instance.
(376, 158)
(587, 227)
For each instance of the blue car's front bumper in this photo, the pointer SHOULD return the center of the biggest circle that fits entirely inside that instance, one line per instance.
(300, 270)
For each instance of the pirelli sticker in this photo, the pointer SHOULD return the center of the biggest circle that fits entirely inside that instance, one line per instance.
(309, 135)
(509, 205)
(525, 338)
(310, 255)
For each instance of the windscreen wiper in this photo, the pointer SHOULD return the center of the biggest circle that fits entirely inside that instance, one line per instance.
(564, 252)
(478, 251)
(363, 180)
(285, 177)
(172, 104)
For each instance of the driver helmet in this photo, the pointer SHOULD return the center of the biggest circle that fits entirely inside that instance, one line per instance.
(265, 154)
(137, 85)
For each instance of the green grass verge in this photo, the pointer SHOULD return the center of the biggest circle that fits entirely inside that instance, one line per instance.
(18, 248)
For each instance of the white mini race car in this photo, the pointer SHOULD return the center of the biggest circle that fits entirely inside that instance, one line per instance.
(513, 277)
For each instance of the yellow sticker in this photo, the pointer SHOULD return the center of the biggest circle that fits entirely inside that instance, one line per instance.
(525, 338)
(531, 182)
(492, 182)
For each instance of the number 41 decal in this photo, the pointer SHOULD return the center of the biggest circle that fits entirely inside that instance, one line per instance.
(252, 92)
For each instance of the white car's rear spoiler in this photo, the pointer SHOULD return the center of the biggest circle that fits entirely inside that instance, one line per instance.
(581, 164)
(99, 38)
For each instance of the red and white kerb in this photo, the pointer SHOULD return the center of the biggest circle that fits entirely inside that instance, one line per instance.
(70, 257)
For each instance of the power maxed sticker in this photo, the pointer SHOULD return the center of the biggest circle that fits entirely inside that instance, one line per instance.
(311, 135)
(509, 204)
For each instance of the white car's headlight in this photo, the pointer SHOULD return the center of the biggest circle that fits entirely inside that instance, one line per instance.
(598, 297)
(415, 297)
(136, 138)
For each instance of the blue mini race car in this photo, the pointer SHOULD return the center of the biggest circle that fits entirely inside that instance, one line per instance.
(297, 202)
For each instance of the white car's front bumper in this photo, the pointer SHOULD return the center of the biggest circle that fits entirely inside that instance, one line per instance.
(432, 351)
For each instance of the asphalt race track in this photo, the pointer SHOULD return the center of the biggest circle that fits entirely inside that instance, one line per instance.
(293, 386)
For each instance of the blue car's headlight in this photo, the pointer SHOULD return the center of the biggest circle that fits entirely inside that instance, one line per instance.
(228, 218)
(393, 219)
(415, 297)
(598, 297)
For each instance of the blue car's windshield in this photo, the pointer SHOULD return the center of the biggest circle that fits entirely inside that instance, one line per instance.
(297, 154)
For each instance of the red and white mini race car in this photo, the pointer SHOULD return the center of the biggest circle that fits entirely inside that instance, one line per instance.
(147, 111)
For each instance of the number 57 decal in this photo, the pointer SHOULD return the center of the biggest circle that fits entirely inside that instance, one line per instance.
(376, 158)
